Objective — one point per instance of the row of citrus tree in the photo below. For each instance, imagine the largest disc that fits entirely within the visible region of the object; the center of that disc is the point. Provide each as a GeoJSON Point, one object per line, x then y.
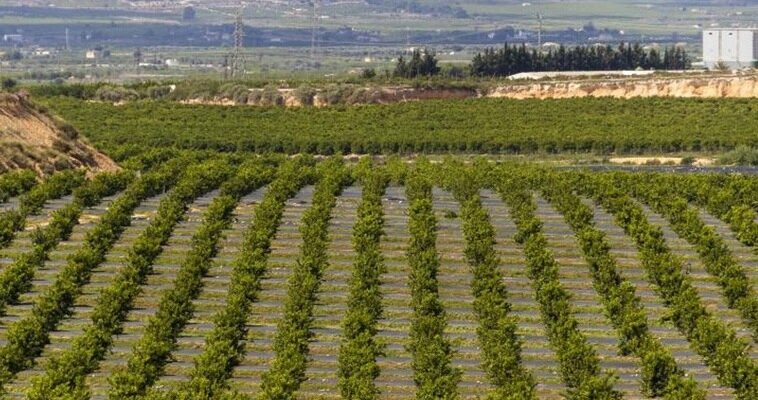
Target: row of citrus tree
{"type": "Point", "coordinates": [26, 338]}
{"type": "Point", "coordinates": [578, 361]}
{"type": "Point", "coordinates": [56, 186]}
{"type": "Point", "coordinates": [431, 351]}
{"type": "Point", "coordinates": [359, 348]}
{"type": "Point", "coordinates": [15, 183]}
{"type": "Point", "coordinates": [65, 373]}
{"type": "Point", "coordinates": [152, 352]}
{"type": "Point", "coordinates": [732, 198]}
{"type": "Point", "coordinates": [225, 344]}
{"type": "Point", "coordinates": [727, 355]}
{"type": "Point", "coordinates": [294, 330]}
{"type": "Point", "coordinates": [716, 256]}
{"type": "Point", "coordinates": [500, 345]}
{"type": "Point", "coordinates": [17, 277]}
{"type": "Point", "coordinates": [660, 375]}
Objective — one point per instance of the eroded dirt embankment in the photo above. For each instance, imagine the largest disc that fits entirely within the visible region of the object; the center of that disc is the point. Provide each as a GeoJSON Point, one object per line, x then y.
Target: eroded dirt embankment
{"type": "Point", "coordinates": [31, 138]}
{"type": "Point", "coordinates": [744, 86]}
{"type": "Point", "coordinates": [702, 87]}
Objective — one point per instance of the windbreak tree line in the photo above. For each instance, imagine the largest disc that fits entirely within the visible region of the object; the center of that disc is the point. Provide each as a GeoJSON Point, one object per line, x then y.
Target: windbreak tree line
{"type": "Point", "coordinates": [421, 63]}
{"type": "Point", "coordinates": [513, 59]}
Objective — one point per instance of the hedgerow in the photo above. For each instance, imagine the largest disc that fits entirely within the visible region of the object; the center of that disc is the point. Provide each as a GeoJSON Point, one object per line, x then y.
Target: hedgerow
{"type": "Point", "coordinates": [15, 183]}
{"type": "Point", "coordinates": [287, 369]}
{"type": "Point", "coordinates": [152, 352]}
{"type": "Point", "coordinates": [660, 375]}
{"type": "Point", "coordinates": [65, 373]}
{"type": "Point", "coordinates": [578, 361]}
{"type": "Point", "coordinates": [26, 338]}
{"type": "Point", "coordinates": [726, 354]}
{"type": "Point", "coordinates": [359, 348]}
{"type": "Point", "coordinates": [16, 278]}
{"type": "Point", "coordinates": [225, 345]}
{"type": "Point", "coordinates": [713, 251]}
{"type": "Point", "coordinates": [431, 351]}
{"type": "Point", "coordinates": [56, 186]}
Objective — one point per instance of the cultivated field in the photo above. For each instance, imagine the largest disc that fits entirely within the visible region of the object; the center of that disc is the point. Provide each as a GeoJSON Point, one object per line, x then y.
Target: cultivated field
{"type": "Point", "coordinates": [473, 126]}
{"type": "Point", "coordinates": [289, 278]}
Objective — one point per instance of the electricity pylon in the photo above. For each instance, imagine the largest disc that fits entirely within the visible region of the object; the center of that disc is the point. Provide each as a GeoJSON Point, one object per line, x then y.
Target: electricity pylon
{"type": "Point", "coordinates": [238, 55]}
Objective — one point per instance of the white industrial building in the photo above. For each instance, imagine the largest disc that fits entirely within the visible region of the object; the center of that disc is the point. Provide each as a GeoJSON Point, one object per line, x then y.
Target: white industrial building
{"type": "Point", "coordinates": [735, 48]}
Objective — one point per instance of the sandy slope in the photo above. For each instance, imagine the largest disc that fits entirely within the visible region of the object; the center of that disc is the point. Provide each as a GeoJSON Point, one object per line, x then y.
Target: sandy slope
{"type": "Point", "coordinates": [31, 138]}
{"type": "Point", "coordinates": [701, 87]}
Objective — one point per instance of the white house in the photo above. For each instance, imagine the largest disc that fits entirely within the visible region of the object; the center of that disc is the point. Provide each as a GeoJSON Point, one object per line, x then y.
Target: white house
{"type": "Point", "coordinates": [93, 54]}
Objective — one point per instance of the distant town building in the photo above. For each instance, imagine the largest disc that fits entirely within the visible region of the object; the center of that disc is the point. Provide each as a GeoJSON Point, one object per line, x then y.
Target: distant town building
{"type": "Point", "coordinates": [42, 52]}
{"type": "Point", "coordinates": [13, 38]}
{"type": "Point", "coordinates": [97, 54]}
{"type": "Point", "coordinates": [734, 48]}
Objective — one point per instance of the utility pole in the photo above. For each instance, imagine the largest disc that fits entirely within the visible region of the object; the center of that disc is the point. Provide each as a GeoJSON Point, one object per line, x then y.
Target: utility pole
{"type": "Point", "coordinates": [238, 56]}
{"type": "Point", "coordinates": [407, 28]}
{"type": "Point", "coordinates": [315, 31]}
{"type": "Point", "coordinates": [68, 43]}
{"type": "Point", "coordinates": [539, 33]}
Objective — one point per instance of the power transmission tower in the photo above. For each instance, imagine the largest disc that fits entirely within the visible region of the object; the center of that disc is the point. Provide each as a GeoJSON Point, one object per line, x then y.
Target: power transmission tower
{"type": "Point", "coordinates": [238, 55]}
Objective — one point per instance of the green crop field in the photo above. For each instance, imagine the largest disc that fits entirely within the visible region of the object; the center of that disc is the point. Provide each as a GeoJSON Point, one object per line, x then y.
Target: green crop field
{"type": "Point", "coordinates": [590, 125]}
{"type": "Point", "coordinates": [209, 275]}
{"type": "Point", "coordinates": [270, 215]}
